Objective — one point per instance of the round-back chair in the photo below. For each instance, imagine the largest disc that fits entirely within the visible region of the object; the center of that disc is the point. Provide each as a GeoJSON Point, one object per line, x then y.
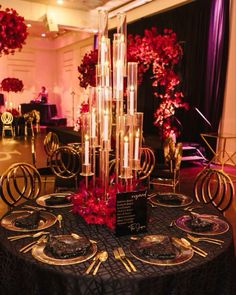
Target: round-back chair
{"type": "Point", "coordinates": [50, 143]}
{"type": "Point", "coordinates": [7, 119]}
{"type": "Point", "coordinates": [215, 187]}
{"type": "Point", "coordinates": [147, 164]}
{"type": "Point", "coordinates": [19, 181]}
{"type": "Point", "coordinates": [65, 164]}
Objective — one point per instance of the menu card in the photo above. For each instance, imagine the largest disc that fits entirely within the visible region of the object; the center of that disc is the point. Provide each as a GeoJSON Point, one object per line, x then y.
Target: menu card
{"type": "Point", "coordinates": [131, 212]}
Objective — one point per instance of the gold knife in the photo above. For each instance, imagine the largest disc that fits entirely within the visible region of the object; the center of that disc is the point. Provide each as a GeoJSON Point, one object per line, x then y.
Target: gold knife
{"type": "Point", "coordinates": [122, 255]}
{"type": "Point", "coordinates": [95, 258]}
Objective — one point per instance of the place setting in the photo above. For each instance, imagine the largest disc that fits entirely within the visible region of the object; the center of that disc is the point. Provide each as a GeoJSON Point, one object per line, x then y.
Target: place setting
{"type": "Point", "coordinates": [201, 224]}
{"type": "Point", "coordinates": [161, 250]}
{"type": "Point", "coordinates": [28, 220]}
{"type": "Point", "coordinates": [169, 199]}
{"type": "Point", "coordinates": [55, 200]}
{"type": "Point", "coordinates": [65, 249]}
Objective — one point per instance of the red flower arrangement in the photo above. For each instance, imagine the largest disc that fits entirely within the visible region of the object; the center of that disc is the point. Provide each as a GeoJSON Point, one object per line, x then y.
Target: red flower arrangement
{"type": "Point", "coordinates": [87, 69]}
{"type": "Point", "coordinates": [92, 206]}
{"type": "Point", "coordinates": [14, 112]}
{"type": "Point", "coordinates": [84, 108]}
{"type": "Point", "coordinates": [13, 31]}
{"type": "Point", "coordinates": [154, 52]}
{"type": "Point", "coordinates": [12, 84]}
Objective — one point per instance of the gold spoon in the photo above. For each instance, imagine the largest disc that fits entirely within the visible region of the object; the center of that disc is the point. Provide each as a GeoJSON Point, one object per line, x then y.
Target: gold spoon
{"type": "Point", "coordinates": [59, 219]}
{"type": "Point", "coordinates": [102, 258]}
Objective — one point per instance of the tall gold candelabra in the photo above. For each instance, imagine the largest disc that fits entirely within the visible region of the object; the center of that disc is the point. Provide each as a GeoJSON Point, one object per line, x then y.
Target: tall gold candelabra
{"type": "Point", "coordinates": [98, 122]}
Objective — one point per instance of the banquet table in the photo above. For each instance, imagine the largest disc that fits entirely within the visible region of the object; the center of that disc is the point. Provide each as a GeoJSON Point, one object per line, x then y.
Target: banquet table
{"type": "Point", "coordinates": [23, 274]}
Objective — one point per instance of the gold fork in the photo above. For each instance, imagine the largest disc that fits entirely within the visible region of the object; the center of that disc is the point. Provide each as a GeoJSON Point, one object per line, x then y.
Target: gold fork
{"type": "Point", "coordinates": [205, 239]}
{"type": "Point", "coordinates": [29, 246]}
{"type": "Point", "coordinates": [123, 256]}
{"type": "Point", "coordinates": [117, 256]}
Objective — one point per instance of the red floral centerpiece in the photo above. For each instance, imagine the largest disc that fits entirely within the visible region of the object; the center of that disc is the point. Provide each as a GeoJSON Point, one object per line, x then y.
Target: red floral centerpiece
{"type": "Point", "coordinates": [12, 84]}
{"type": "Point", "coordinates": [91, 204]}
{"type": "Point", "coordinates": [158, 54]}
{"type": "Point", "coordinates": [13, 31]}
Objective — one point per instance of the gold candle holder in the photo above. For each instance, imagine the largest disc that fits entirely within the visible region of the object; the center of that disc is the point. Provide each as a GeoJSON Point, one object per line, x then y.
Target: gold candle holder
{"type": "Point", "coordinates": [132, 88]}
{"type": "Point", "coordinates": [126, 146]}
{"type": "Point", "coordinates": [86, 145]}
{"type": "Point", "coordinates": [137, 139]}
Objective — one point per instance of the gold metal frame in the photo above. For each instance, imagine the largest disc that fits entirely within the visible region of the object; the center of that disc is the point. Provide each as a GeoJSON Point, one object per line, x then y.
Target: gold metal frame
{"type": "Point", "coordinates": [173, 158]}
{"type": "Point", "coordinates": [65, 163]}
{"type": "Point", "coordinates": [19, 181]}
{"type": "Point", "coordinates": [215, 187]}
{"type": "Point", "coordinates": [218, 156]}
{"type": "Point", "coordinates": [147, 164]}
{"type": "Point", "coordinates": [7, 119]}
{"type": "Point", "coordinates": [50, 143]}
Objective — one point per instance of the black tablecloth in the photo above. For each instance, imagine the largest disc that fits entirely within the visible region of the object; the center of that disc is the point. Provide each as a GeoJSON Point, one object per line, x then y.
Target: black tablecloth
{"type": "Point", "coordinates": [22, 274]}
{"type": "Point", "coordinates": [47, 111]}
{"type": "Point", "coordinates": [65, 134]}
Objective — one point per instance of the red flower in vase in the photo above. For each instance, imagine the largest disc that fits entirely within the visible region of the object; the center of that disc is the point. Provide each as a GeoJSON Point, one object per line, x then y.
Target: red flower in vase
{"type": "Point", "coordinates": [13, 31]}
{"type": "Point", "coordinates": [12, 84]}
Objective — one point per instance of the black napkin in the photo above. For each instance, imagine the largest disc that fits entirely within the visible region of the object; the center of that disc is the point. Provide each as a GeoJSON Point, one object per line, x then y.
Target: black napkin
{"type": "Point", "coordinates": [153, 250]}
{"type": "Point", "coordinates": [199, 224]}
{"type": "Point", "coordinates": [170, 199]}
{"type": "Point", "coordinates": [57, 200]}
{"type": "Point", "coordinates": [31, 221]}
{"type": "Point", "coordinates": [67, 246]}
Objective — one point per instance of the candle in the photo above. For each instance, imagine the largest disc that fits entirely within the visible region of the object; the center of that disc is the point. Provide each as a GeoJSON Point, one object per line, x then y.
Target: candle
{"type": "Point", "coordinates": [19, 108]}
{"type": "Point", "coordinates": [105, 126]}
{"type": "Point", "coordinates": [11, 105]}
{"type": "Point", "coordinates": [131, 101]}
{"type": "Point", "coordinates": [86, 150]}
{"type": "Point", "coordinates": [93, 124]}
{"type": "Point", "coordinates": [103, 50]}
{"type": "Point", "coordinates": [136, 145]}
{"type": "Point", "coordinates": [126, 151]}
{"type": "Point", "coordinates": [119, 74]}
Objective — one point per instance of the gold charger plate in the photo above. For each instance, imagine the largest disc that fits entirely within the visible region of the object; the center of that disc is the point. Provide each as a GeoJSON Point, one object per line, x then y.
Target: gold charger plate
{"type": "Point", "coordinates": [184, 200]}
{"type": "Point", "coordinates": [41, 200]}
{"type": "Point", "coordinates": [47, 220]}
{"type": "Point", "coordinates": [39, 254]}
{"type": "Point", "coordinates": [219, 226]}
{"type": "Point", "coordinates": [183, 254]}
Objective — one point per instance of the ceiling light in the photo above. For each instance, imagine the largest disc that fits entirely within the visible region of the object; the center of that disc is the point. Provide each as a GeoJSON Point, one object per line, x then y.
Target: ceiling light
{"type": "Point", "coordinates": [60, 2]}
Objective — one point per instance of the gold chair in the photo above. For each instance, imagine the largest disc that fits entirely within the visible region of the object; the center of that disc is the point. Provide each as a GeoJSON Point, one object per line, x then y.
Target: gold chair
{"type": "Point", "coordinates": [21, 181]}
{"type": "Point", "coordinates": [50, 143]}
{"type": "Point", "coordinates": [215, 187]}
{"type": "Point", "coordinates": [45, 172]}
{"type": "Point", "coordinates": [169, 174]}
{"type": "Point", "coordinates": [147, 164]}
{"type": "Point", "coordinates": [65, 164]}
{"type": "Point", "coordinates": [31, 118]}
{"type": "Point", "coordinates": [7, 119]}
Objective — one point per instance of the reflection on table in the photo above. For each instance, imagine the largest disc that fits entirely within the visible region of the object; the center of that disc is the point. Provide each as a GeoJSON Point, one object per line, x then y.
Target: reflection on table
{"type": "Point", "coordinates": [222, 155]}
{"type": "Point", "coordinates": [212, 274]}
{"type": "Point", "coordinates": [47, 111]}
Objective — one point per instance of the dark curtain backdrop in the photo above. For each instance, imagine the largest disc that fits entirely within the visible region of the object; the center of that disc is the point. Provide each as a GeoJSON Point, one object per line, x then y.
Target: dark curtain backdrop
{"type": "Point", "coordinates": [202, 69]}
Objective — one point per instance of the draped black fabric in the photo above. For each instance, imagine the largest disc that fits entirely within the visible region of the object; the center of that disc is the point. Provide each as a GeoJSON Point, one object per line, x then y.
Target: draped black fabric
{"type": "Point", "coordinates": [202, 73]}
